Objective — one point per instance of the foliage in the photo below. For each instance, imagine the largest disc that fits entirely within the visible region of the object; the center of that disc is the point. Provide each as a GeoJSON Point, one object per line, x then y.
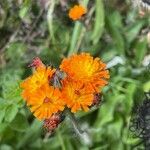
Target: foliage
{"type": "Point", "coordinates": [111, 31]}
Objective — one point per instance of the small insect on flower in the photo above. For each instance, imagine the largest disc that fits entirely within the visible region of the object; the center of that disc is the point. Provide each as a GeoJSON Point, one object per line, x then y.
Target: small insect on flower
{"type": "Point", "coordinates": [77, 12]}
{"type": "Point", "coordinates": [56, 79]}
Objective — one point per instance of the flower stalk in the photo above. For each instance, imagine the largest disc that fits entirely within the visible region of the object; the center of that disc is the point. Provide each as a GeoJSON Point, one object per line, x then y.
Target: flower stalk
{"type": "Point", "coordinates": [83, 134]}
{"type": "Point", "coordinates": [74, 121]}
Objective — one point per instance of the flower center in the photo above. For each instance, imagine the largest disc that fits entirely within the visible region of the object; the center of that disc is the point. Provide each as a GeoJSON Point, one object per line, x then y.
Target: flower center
{"type": "Point", "coordinates": [37, 82]}
{"type": "Point", "coordinates": [77, 92]}
{"type": "Point", "coordinates": [47, 100]}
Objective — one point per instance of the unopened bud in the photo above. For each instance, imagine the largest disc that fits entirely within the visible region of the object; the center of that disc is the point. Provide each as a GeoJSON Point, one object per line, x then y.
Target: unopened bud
{"type": "Point", "coordinates": [36, 63]}
{"type": "Point", "coordinates": [52, 123]}
{"type": "Point", "coordinates": [97, 99]}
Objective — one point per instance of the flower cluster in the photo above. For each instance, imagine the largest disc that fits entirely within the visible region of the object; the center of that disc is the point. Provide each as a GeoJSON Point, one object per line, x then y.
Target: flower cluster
{"type": "Point", "coordinates": [83, 79]}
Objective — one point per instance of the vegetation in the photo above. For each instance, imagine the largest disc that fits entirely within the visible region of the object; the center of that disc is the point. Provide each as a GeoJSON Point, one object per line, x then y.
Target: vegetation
{"type": "Point", "coordinates": [113, 31]}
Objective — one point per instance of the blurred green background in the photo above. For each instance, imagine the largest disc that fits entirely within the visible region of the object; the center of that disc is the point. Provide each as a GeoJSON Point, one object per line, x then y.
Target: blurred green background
{"type": "Point", "coordinates": [112, 30]}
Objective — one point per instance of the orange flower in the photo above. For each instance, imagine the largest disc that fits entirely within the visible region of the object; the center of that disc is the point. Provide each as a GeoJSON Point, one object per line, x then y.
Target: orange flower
{"type": "Point", "coordinates": [85, 76]}
{"type": "Point", "coordinates": [34, 82]}
{"type": "Point", "coordinates": [75, 96]}
{"type": "Point", "coordinates": [87, 70]}
{"type": "Point", "coordinates": [45, 102]}
{"type": "Point", "coordinates": [76, 12]}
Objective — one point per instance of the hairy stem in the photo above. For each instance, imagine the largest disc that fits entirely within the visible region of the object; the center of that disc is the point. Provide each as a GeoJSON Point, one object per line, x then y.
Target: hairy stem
{"type": "Point", "coordinates": [83, 134]}
{"type": "Point", "coordinates": [75, 124]}
{"type": "Point", "coordinates": [60, 138]}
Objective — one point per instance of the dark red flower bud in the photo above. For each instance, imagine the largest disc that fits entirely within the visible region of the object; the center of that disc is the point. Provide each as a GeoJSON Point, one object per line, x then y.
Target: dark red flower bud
{"type": "Point", "coordinates": [97, 99]}
{"type": "Point", "coordinates": [36, 63]}
{"type": "Point", "coordinates": [52, 123]}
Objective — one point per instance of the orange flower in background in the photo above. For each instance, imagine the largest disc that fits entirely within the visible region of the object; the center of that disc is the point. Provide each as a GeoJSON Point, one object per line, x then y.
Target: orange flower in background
{"type": "Point", "coordinates": [87, 70]}
{"type": "Point", "coordinates": [77, 12]}
{"type": "Point", "coordinates": [75, 96]}
{"type": "Point", "coordinates": [34, 82]}
{"type": "Point", "coordinates": [45, 102]}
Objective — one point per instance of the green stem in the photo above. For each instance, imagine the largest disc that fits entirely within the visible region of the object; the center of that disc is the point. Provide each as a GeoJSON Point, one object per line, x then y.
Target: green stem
{"type": "Point", "coordinates": [61, 139]}
{"type": "Point", "coordinates": [83, 135]}
{"type": "Point", "coordinates": [77, 32]}
{"type": "Point", "coordinates": [75, 124]}
{"type": "Point", "coordinates": [46, 137]}
{"type": "Point", "coordinates": [51, 7]}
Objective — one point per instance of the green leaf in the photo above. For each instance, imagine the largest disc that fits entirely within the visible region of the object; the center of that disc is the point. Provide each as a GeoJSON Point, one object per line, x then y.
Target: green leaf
{"type": "Point", "coordinates": [19, 49]}
{"type": "Point", "coordinates": [20, 123]}
{"type": "Point", "coordinates": [3, 126]}
{"type": "Point", "coordinates": [99, 21]}
{"type": "Point", "coordinates": [3, 16]}
{"type": "Point", "coordinates": [117, 145]}
{"type": "Point", "coordinates": [115, 32]}
{"type": "Point", "coordinates": [11, 112]}
{"type": "Point", "coordinates": [106, 112]}
{"type": "Point", "coordinates": [5, 147]}
{"type": "Point", "coordinates": [24, 9]}
{"type": "Point", "coordinates": [23, 12]}
{"type": "Point", "coordinates": [114, 129]}
{"type": "Point", "coordinates": [128, 137]}
{"type": "Point", "coordinates": [146, 86]}
{"type": "Point", "coordinates": [2, 113]}
{"type": "Point", "coordinates": [132, 31]}
{"type": "Point", "coordinates": [131, 88]}
{"type": "Point", "coordinates": [140, 51]}
{"type": "Point", "coordinates": [68, 144]}
{"type": "Point", "coordinates": [33, 131]}
{"type": "Point", "coordinates": [11, 90]}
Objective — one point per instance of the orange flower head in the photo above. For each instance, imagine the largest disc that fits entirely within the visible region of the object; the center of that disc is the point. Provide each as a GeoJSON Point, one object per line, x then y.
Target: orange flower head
{"type": "Point", "coordinates": [87, 70]}
{"type": "Point", "coordinates": [34, 82]}
{"type": "Point", "coordinates": [75, 96]}
{"type": "Point", "coordinates": [45, 102]}
{"type": "Point", "coordinates": [77, 12]}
